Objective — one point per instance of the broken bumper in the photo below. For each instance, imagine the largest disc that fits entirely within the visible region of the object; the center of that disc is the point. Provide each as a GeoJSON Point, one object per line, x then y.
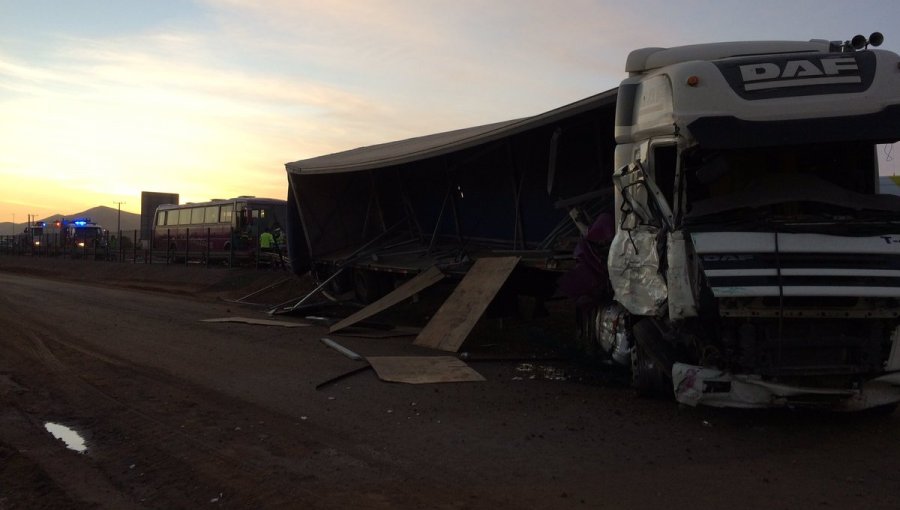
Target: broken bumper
{"type": "Point", "coordinates": [712, 387]}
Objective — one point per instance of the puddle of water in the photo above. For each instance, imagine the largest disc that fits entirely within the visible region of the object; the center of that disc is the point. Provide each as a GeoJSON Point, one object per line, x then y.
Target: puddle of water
{"type": "Point", "coordinates": [73, 439]}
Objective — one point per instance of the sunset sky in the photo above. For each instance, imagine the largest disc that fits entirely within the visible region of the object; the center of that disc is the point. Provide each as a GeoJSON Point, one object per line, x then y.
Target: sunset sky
{"type": "Point", "coordinates": [100, 100]}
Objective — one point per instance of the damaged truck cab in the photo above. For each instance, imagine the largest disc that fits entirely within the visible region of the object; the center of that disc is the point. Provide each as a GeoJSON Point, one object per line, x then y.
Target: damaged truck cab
{"type": "Point", "coordinates": [755, 263]}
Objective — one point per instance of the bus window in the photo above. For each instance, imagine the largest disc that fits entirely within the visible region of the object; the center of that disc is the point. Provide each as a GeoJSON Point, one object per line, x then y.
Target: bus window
{"type": "Point", "coordinates": [184, 217]}
{"type": "Point", "coordinates": [171, 218]}
{"type": "Point", "coordinates": [259, 218]}
{"type": "Point", "coordinates": [226, 213]}
{"type": "Point", "coordinates": [161, 218]}
{"type": "Point", "coordinates": [211, 214]}
{"type": "Point", "coordinates": [197, 214]}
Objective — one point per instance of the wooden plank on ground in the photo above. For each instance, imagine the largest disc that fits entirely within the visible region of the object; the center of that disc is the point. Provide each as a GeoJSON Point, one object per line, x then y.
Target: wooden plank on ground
{"type": "Point", "coordinates": [417, 284]}
{"type": "Point", "coordinates": [454, 320]}
{"type": "Point", "coordinates": [260, 322]}
{"type": "Point", "coordinates": [423, 369]}
{"type": "Point", "coordinates": [397, 331]}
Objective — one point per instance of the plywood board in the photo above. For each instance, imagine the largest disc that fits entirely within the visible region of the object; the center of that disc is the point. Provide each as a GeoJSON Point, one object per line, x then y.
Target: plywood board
{"type": "Point", "coordinates": [454, 320]}
{"type": "Point", "coordinates": [417, 284]}
{"type": "Point", "coordinates": [260, 322]}
{"type": "Point", "coordinates": [394, 332]}
{"type": "Point", "coordinates": [423, 369]}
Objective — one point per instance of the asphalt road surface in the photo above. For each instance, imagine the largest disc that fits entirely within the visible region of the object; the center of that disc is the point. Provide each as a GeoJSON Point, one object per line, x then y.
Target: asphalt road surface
{"type": "Point", "coordinates": [178, 413]}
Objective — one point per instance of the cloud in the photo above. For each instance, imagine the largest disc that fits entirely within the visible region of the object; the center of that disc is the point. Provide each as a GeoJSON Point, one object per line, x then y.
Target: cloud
{"type": "Point", "coordinates": [491, 58]}
{"type": "Point", "coordinates": [136, 113]}
{"type": "Point", "coordinates": [215, 105]}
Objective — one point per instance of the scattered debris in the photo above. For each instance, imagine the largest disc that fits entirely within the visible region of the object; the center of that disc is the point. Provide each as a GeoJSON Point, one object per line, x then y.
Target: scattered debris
{"type": "Point", "coordinates": [415, 285]}
{"type": "Point", "coordinates": [316, 319]}
{"type": "Point", "coordinates": [423, 369]}
{"type": "Point", "coordinates": [394, 332]}
{"type": "Point", "coordinates": [261, 322]}
{"type": "Point", "coordinates": [545, 372]}
{"type": "Point", "coordinates": [243, 300]}
{"type": "Point", "coordinates": [454, 320]}
{"type": "Point", "coordinates": [341, 349]}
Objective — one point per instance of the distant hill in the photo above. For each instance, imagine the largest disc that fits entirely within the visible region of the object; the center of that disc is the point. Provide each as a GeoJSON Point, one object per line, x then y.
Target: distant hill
{"type": "Point", "coordinates": [104, 216]}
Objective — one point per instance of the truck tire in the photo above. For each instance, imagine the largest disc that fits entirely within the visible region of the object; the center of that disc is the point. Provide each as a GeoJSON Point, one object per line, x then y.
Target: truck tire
{"type": "Point", "coordinates": [650, 370]}
{"type": "Point", "coordinates": [582, 331]}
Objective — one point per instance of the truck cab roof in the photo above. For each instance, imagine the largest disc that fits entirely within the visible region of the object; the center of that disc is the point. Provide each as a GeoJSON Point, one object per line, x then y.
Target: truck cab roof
{"type": "Point", "coordinates": [646, 59]}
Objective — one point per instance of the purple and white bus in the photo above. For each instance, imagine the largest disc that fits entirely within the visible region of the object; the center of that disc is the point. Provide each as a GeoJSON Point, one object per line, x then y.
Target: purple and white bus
{"type": "Point", "coordinates": [221, 230]}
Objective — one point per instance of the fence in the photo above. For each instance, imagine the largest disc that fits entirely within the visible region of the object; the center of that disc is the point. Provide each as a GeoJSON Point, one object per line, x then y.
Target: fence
{"type": "Point", "coordinates": [127, 247]}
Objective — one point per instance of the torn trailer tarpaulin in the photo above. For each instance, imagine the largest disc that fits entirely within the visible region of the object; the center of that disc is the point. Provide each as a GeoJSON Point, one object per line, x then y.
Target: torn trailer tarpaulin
{"type": "Point", "coordinates": [480, 187]}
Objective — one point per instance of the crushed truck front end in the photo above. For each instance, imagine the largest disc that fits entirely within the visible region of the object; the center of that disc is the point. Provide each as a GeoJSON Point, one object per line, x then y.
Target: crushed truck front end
{"type": "Point", "coordinates": [800, 319]}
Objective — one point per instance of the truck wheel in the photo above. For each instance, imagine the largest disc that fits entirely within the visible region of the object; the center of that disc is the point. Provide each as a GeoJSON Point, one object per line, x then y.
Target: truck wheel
{"type": "Point", "coordinates": [585, 334]}
{"type": "Point", "coordinates": [650, 373]}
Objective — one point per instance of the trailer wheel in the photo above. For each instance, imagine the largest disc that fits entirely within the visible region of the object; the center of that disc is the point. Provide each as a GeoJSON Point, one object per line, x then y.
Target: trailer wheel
{"type": "Point", "coordinates": [369, 286]}
{"type": "Point", "coordinates": [650, 371]}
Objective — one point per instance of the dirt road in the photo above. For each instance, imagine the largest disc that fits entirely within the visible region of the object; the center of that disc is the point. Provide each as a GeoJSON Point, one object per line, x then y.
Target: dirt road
{"type": "Point", "coordinates": [179, 413]}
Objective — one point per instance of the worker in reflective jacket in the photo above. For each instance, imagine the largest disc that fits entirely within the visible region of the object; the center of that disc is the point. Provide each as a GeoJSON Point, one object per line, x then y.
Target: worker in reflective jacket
{"type": "Point", "coordinates": [267, 241]}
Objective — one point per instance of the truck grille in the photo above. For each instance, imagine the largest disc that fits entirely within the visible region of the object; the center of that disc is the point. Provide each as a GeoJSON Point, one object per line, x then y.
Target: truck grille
{"type": "Point", "coordinates": [755, 264]}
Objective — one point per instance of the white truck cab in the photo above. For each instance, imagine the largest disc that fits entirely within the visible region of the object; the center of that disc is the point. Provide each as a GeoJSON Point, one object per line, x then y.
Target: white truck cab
{"type": "Point", "coordinates": [755, 263]}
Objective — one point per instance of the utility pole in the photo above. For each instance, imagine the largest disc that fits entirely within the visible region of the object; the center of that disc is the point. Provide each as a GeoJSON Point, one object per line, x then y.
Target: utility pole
{"type": "Point", "coordinates": [119, 219]}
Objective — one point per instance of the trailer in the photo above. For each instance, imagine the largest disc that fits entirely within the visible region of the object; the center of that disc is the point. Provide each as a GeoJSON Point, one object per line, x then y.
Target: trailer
{"type": "Point", "coordinates": [384, 213]}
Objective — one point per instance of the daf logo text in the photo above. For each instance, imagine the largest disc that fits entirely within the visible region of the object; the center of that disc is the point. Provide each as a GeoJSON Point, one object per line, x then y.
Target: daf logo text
{"type": "Point", "coordinates": [795, 73]}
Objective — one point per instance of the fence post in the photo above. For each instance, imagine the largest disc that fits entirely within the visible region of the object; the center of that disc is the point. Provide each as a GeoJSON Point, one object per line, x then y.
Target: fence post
{"type": "Point", "coordinates": [187, 245]}
{"type": "Point", "coordinates": [231, 250]}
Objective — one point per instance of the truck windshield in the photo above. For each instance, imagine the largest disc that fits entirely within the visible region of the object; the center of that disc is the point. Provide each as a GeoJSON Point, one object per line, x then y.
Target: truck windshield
{"type": "Point", "coordinates": [796, 181]}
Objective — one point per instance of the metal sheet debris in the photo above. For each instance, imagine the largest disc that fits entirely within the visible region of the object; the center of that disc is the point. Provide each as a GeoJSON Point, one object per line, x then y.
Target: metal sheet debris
{"type": "Point", "coordinates": [423, 369]}
{"type": "Point", "coordinates": [634, 270]}
{"type": "Point", "coordinates": [341, 349]}
{"type": "Point", "coordinates": [260, 322]}
{"type": "Point", "coordinates": [417, 284]}
{"type": "Point", "coordinates": [454, 320]}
